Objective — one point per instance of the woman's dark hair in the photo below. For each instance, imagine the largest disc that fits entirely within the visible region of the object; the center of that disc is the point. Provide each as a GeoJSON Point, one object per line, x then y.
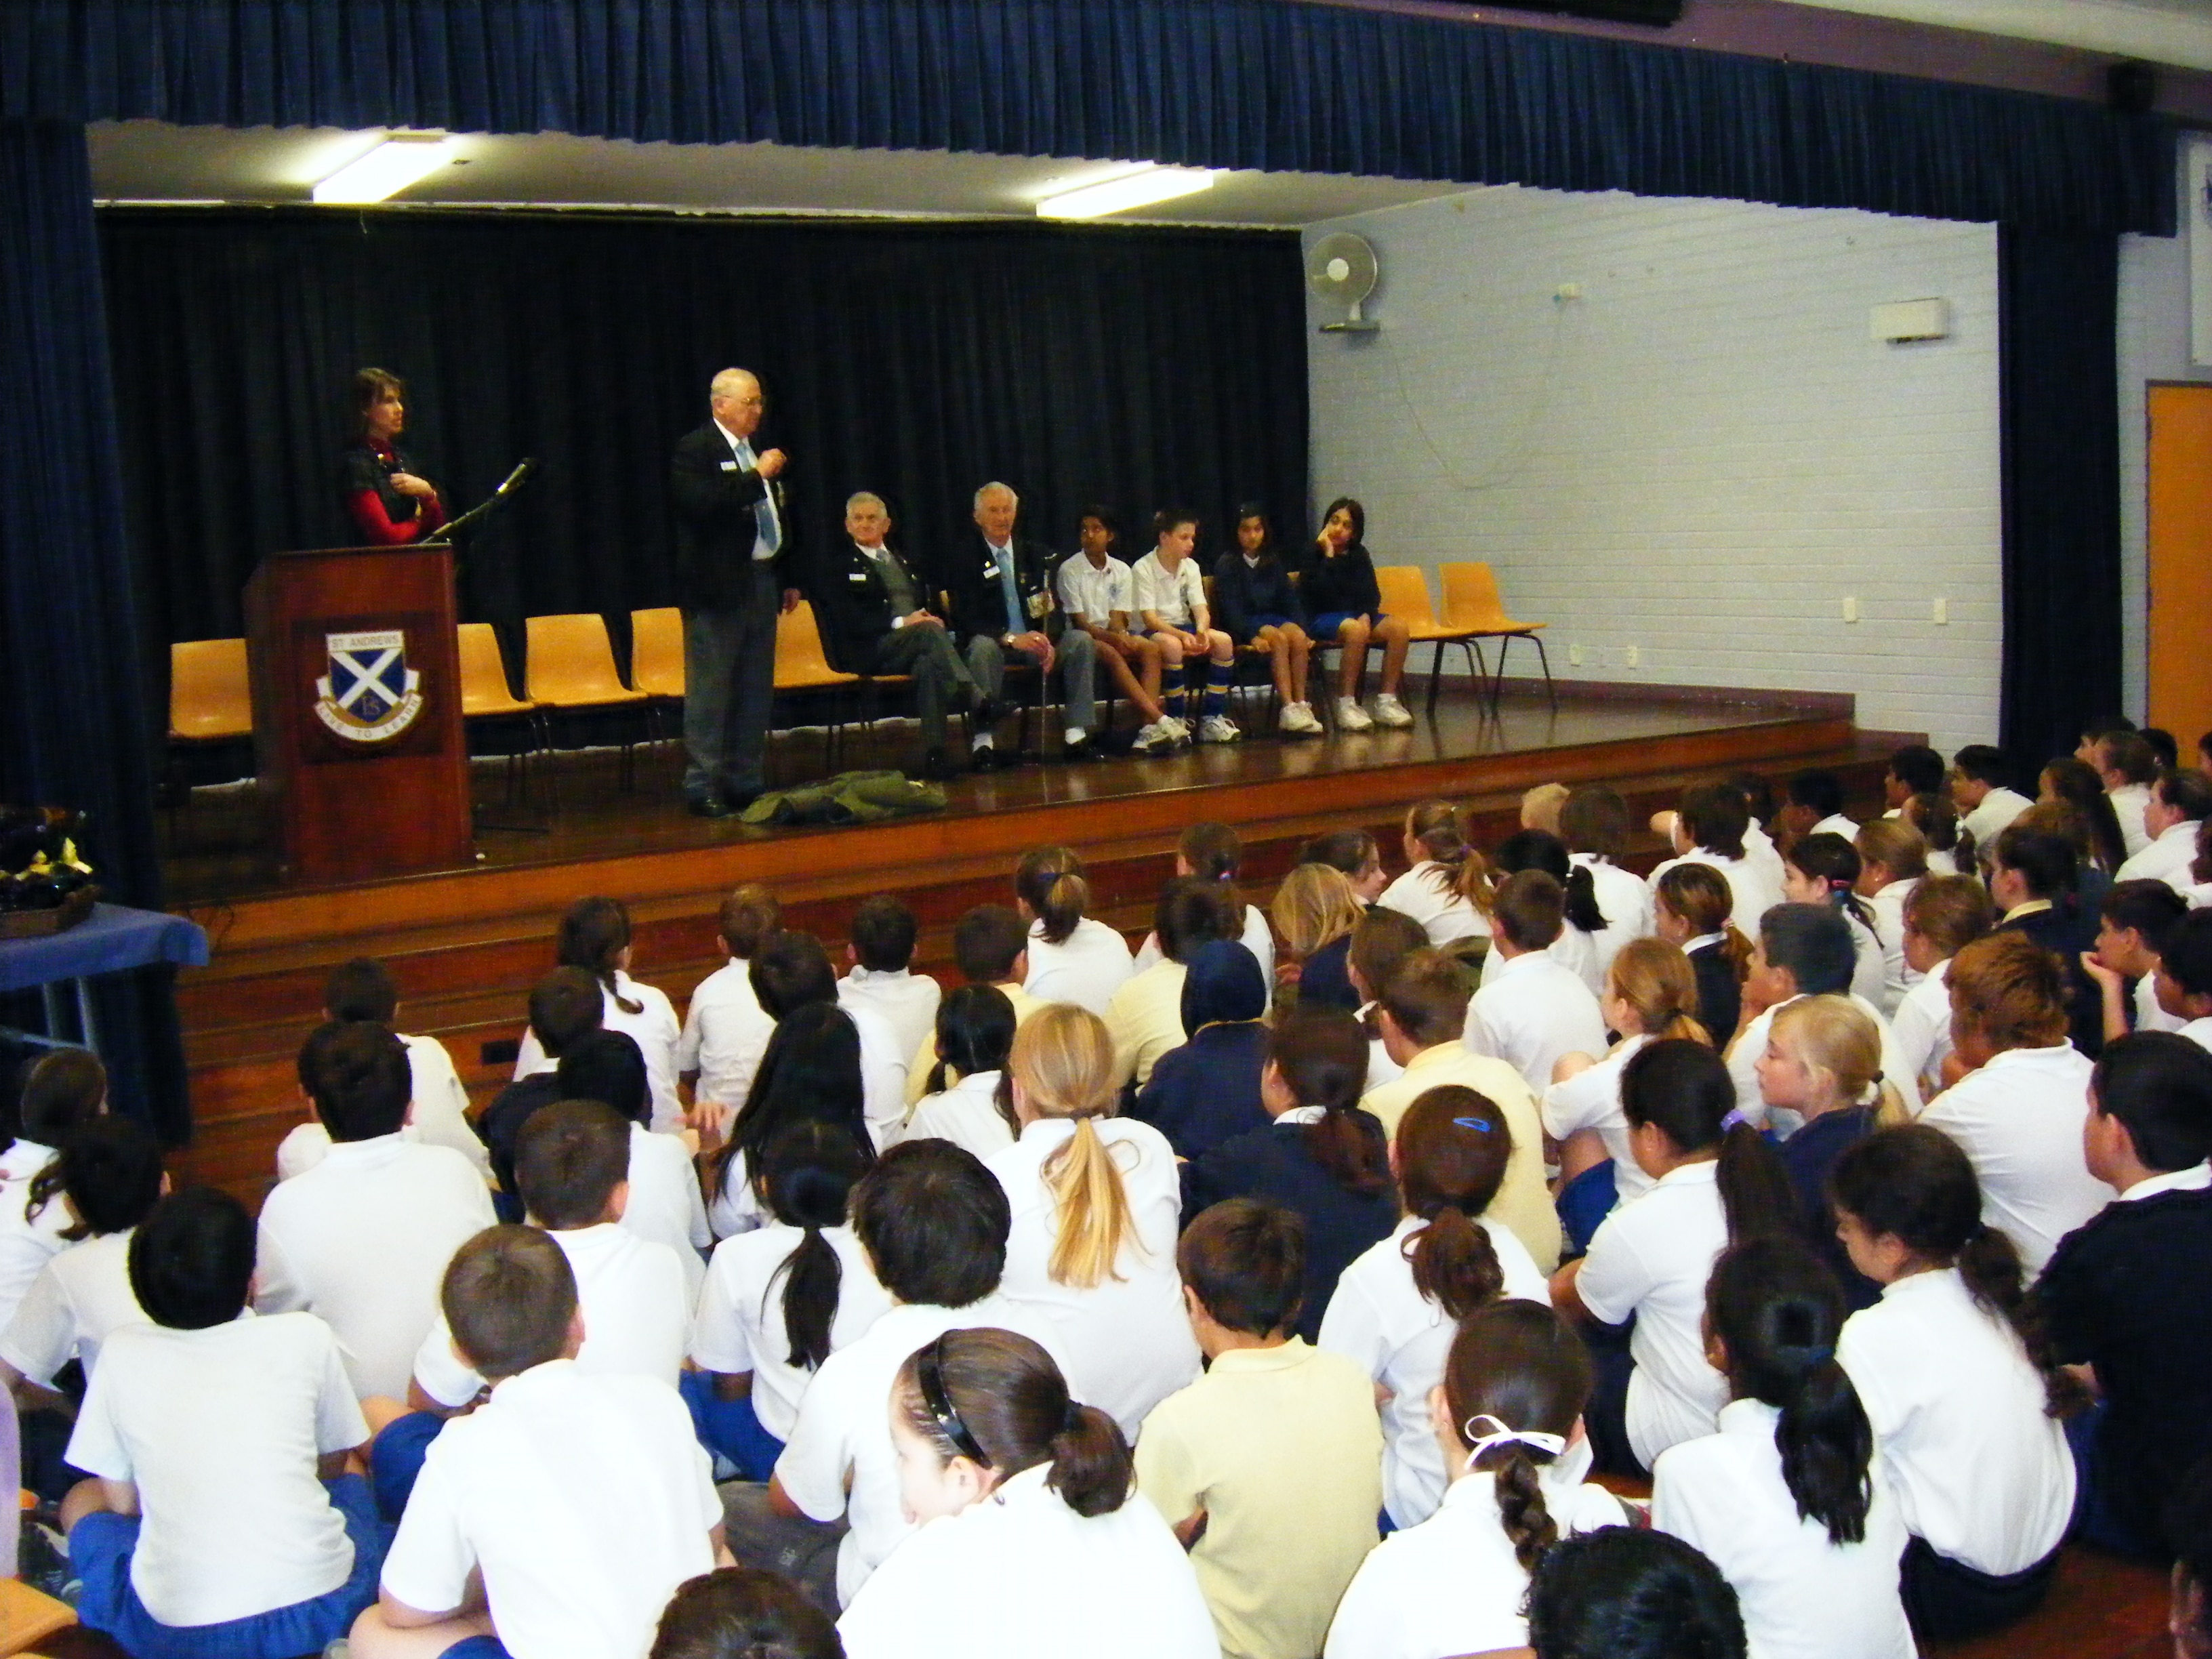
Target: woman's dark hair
{"type": "Point", "coordinates": [975, 1033]}
{"type": "Point", "coordinates": [369, 386]}
{"type": "Point", "coordinates": [1519, 1364]}
{"type": "Point", "coordinates": [1192, 910]}
{"type": "Point", "coordinates": [1050, 881]}
{"type": "Point", "coordinates": [1255, 510]}
{"type": "Point", "coordinates": [1912, 1182]}
{"type": "Point", "coordinates": [1322, 1054]}
{"type": "Point", "coordinates": [1540, 849]}
{"type": "Point", "coordinates": [1351, 510]}
{"type": "Point", "coordinates": [111, 1171]}
{"type": "Point", "coordinates": [1631, 1593]}
{"type": "Point", "coordinates": [1684, 1089]}
{"type": "Point", "coordinates": [810, 1073]}
{"type": "Point", "coordinates": [807, 1174]}
{"type": "Point", "coordinates": [2159, 1085]}
{"type": "Point", "coordinates": [1777, 1311]}
{"type": "Point", "coordinates": [1453, 1147]}
{"type": "Point", "coordinates": [2046, 862]}
{"type": "Point", "coordinates": [593, 934]}
{"type": "Point", "coordinates": [190, 1261]}
{"type": "Point", "coordinates": [2077, 783]}
{"type": "Point", "coordinates": [1002, 1394]}
{"type": "Point", "coordinates": [1830, 859]}
{"type": "Point", "coordinates": [62, 1091]}
{"type": "Point", "coordinates": [744, 1612]}
{"type": "Point", "coordinates": [1715, 817]}
{"type": "Point", "coordinates": [608, 1066]}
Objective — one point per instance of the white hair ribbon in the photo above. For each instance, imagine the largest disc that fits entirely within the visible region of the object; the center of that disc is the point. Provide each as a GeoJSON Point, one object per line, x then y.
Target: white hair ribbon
{"type": "Point", "coordinates": [1500, 1436]}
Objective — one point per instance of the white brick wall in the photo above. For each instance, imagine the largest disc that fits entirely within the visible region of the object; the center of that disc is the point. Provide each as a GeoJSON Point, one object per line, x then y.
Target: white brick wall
{"type": "Point", "coordinates": [1703, 456]}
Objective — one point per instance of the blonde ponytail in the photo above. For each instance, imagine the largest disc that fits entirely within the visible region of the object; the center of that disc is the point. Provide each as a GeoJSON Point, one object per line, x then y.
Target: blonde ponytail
{"type": "Point", "coordinates": [1094, 1209]}
{"type": "Point", "coordinates": [1063, 1059]}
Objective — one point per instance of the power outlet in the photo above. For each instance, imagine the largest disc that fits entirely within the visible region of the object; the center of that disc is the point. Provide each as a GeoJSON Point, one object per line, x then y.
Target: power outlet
{"type": "Point", "coordinates": [1632, 657]}
{"type": "Point", "coordinates": [1940, 612]}
{"type": "Point", "coordinates": [1575, 655]}
{"type": "Point", "coordinates": [1850, 610]}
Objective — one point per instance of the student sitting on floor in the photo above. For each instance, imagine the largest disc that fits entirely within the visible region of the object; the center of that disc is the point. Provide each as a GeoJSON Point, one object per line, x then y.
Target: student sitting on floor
{"type": "Point", "coordinates": [218, 1520]}
{"type": "Point", "coordinates": [1816, 807]}
{"type": "Point", "coordinates": [1146, 1015]}
{"type": "Point", "coordinates": [1506, 1418]}
{"type": "Point", "coordinates": [1986, 805]}
{"type": "Point", "coordinates": [1582, 923]}
{"type": "Point", "coordinates": [974, 1033]}
{"type": "Point", "coordinates": [1708, 827]}
{"type": "Point", "coordinates": [1535, 1009]}
{"type": "Point", "coordinates": [1959, 1382]}
{"type": "Point", "coordinates": [1631, 1593]}
{"type": "Point", "coordinates": [1893, 861]}
{"type": "Point", "coordinates": [2126, 1293]}
{"type": "Point", "coordinates": [1913, 769]}
{"type": "Point", "coordinates": [781, 1299]}
{"type": "Point", "coordinates": [62, 1091]}
{"type": "Point", "coordinates": [1950, 849]}
{"type": "Point", "coordinates": [1275, 1538]}
{"type": "Point", "coordinates": [1823, 1059]}
{"type": "Point", "coordinates": [1208, 1090]}
{"type": "Point", "coordinates": [792, 971]}
{"type": "Point", "coordinates": [1945, 915]}
{"type": "Point", "coordinates": [1690, 911]}
{"type": "Point", "coordinates": [1594, 825]}
{"type": "Point", "coordinates": [1212, 852]}
{"type": "Point", "coordinates": [362, 1238]}
{"type": "Point", "coordinates": [595, 936]}
{"type": "Point", "coordinates": [1071, 957]}
{"type": "Point", "coordinates": [1383, 940]}
{"type": "Point", "coordinates": [1803, 949]}
{"type": "Point", "coordinates": [2184, 980]}
{"type": "Point", "coordinates": [1315, 910]}
{"type": "Point", "coordinates": [1446, 887]}
{"type": "Point", "coordinates": [2078, 784]}
{"type": "Point", "coordinates": [565, 1006]}
{"type": "Point", "coordinates": [744, 1612]}
{"type": "Point", "coordinates": [1823, 869]}
{"type": "Point", "coordinates": [726, 1031]}
{"type": "Point", "coordinates": [2179, 804]}
{"type": "Point", "coordinates": [880, 976]}
{"type": "Point", "coordinates": [1785, 1499]}
{"type": "Point", "coordinates": [990, 949]}
{"type": "Point", "coordinates": [2134, 922]}
{"type": "Point", "coordinates": [1396, 1307]}
{"type": "Point", "coordinates": [665, 1204]}
{"type": "Point", "coordinates": [558, 1517]}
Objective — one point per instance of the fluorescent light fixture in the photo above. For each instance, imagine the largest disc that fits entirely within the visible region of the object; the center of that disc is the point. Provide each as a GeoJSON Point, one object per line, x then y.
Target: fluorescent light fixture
{"type": "Point", "coordinates": [401, 160]}
{"type": "Point", "coordinates": [1130, 190]}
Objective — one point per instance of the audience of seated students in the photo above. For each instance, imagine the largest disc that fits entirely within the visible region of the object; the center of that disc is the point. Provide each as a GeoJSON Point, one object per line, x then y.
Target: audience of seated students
{"type": "Point", "coordinates": [565, 1006]}
{"type": "Point", "coordinates": [990, 947]}
{"type": "Point", "coordinates": [559, 1515]}
{"type": "Point", "coordinates": [1584, 922]}
{"type": "Point", "coordinates": [2184, 980]}
{"type": "Point", "coordinates": [1208, 1090]}
{"type": "Point", "coordinates": [2179, 804]}
{"type": "Point", "coordinates": [665, 1204]}
{"type": "Point", "coordinates": [1315, 911]}
{"type": "Point", "coordinates": [1914, 770]}
{"type": "Point", "coordinates": [2034, 875]}
{"type": "Point", "coordinates": [1259, 609]}
{"type": "Point", "coordinates": [1212, 853]}
{"type": "Point", "coordinates": [1383, 940]}
{"type": "Point", "coordinates": [1396, 1307]}
{"type": "Point", "coordinates": [1823, 868]}
{"type": "Point", "coordinates": [744, 1612]}
{"type": "Point", "coordinates": [878, 975]}
{"type": "Point", "coordinates": [933, 1223]}
{"type": "Point", "coordinates": [62, 1091]}
{"type": "Point", "coordinates": [1715, 1183]}
{"type": "Point", "coordinates": [1823, 1060]}
{"type": "Point", "coordinates": [1169, 595]}
{"type": "Point", "coordinates": [2128, 767]}
{"type": "Point", "coordinates": [1650, 992]}
{"type": "Point", "coordinates": [1023, 1487]}
{"type": "Point", "coordinates": [2126, 1293]}
{"type": "Point", "coordinates": [2078, 784]}
{"type": "Point", "coordinates": [1096, 1203]}
{"type": "Point", "coordinates": [1631, 1593]}
{"type": "Point", "coordinates": [1337, 584]}
{"type": "Point", "coordinates": [1784, 1497]}
{"type": "Point", "coordinates": [1535, 1009]}
{"type": "Point", "coordinates": [1446, 886]}
{"type": "Point", "coordinates": [726, 1031]}
{"type": "Point", "coordinates": [1422, 1016]}
{"type": "Point", "coordinates": [1268, 1466]}
{"type": "Point", "coordinates": [1950, 849]}
{"type": "Point", "coordinates": [1355, 853]}
{"type": "Point", "coordinates": [971, 1104]}
{"type": "Point", "coordinates": [2134, 922]}
{"type": "Point", "coordinates": [1958, 1379]}
{"type": "Point", "coordinates": [810, 1074]}
{"type": "Point", "coordinates": [1097, 592]}
{"type": "Point", "coordinates": [361, 1239]}
{"type": "Point", "coordinates": [1144, 1017]}
{"type": "Point", "coordinates": [1506, 1417]}
{"type": "Point", "coordinates": [1892, 863]}
{"type": "Point", "coordinates": [1320, 1156]}
{"type": "Point", "coordinates": [439, 1108]}
{"type": "Point", "coordinates": [1987, 805]}
{"type": "Point", "coordinates": [217, 1518]}
{"type": "Point", "coordinates": [1594, 824]}
{"type": "Point", "coordinates": [1944, 915]}
{"type": "Point", "coordinates": [1816, 807]}
{"type": "Point", "coordinates": [595, 937]}
{"type": "Point", "coordinates": [1803, 950]}
{"type": "Point", "coordinates": [1072, 956]}
{"type": "Point", "coordinates": [1690, 910]}
{"type": "Point", "coordinates": [1708, 827]}
{"type": "Point", "coordinates": [781, 1299]}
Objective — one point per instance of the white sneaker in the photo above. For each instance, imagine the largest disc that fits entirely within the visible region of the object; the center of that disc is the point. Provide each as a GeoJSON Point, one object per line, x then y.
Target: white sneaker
{"type": "Point", "coordinates": [1155, 739]}
{"type": "Point", "coordinates": [1177, 728]}
{"type": "Point", "coordinates": [1351, 717]}
{"type": "Point", "coordinates": [1298, 720]}
{"type": "Point", "coordinates": [1217, 728]}
{"type": "Point", "coordinates": [1389, 712]}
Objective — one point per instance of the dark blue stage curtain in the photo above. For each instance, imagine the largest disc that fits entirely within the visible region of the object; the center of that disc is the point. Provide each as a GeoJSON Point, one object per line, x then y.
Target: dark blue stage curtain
{"type": "Point", "coordinates": [1229, 83]}
{"type": "Point", "coordinates": [73, 732]}
{"type": "Point", "coordinates": [2060, 432]}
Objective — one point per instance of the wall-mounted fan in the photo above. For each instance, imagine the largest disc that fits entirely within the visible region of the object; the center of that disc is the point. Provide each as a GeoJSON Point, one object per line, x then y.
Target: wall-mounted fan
{"type": "Point", "coordinates": [1341, 267]}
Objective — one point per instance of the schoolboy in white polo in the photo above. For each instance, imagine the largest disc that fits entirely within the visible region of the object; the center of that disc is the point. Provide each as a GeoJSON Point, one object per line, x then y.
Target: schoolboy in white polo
{"type": "Point", "coordinates": [1536, 1009]}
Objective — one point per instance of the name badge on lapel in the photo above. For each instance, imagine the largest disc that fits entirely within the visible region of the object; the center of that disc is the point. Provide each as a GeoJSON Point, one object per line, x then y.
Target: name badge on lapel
{"type": "Point", "coordinates": [729, 466]}
{"type": "Point", "coordinates": [856, 575]}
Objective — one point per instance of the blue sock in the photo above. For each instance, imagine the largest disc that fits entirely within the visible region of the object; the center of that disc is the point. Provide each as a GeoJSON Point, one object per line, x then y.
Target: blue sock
{"type": "Point", "coordinates": [1216, 688]}
{"type": "Point", "coordinates": [1171, 704]}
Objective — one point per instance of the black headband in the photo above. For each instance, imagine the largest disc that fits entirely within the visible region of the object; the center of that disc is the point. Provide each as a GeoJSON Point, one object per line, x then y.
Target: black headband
{"type": "Point", "coordinates": [928, 1375]}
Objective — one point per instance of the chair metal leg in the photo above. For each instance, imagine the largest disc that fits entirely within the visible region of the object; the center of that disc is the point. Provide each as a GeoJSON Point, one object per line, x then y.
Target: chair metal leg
{"type": "Point", "coordinates": [1551, 690]}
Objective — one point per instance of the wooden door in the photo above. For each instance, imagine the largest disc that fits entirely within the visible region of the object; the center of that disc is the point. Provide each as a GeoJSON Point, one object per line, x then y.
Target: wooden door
{"type": "Point", "coordinates": [2180, 548]}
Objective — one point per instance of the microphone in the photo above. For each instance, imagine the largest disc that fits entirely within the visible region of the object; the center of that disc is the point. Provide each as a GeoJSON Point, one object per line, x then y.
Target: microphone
{"type": "Point", "coordinates": [516, 478]}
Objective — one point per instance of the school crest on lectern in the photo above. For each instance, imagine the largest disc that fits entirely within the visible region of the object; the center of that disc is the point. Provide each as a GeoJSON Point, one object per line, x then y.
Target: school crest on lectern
{"type": "Point", "coordinates": [370, 693]}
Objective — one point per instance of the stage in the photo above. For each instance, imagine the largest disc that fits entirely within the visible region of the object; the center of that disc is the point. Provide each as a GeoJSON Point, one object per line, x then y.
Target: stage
{"type": "Point", "coordinates": [465, 945]}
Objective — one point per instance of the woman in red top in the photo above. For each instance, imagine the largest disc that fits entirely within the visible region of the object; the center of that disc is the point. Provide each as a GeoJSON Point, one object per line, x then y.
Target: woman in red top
{"type": "Point", "coordinates": [388, 503]}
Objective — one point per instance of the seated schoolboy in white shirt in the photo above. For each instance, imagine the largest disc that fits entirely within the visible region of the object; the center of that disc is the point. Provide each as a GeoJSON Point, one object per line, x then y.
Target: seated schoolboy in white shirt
{"type": "Point", "coordinates": [1266, 1466]}
{"type": "Point", "coordinates": [1212, 852]}
{"type": "Point", "coordinates": [362, 1238]}
{"type": "Point", "coordinates": [725, 1031]}
{"type": "Point", "coordinates": [1986, 807]}
{"type": "Point", "coordinates": [1536, 1010]}
{"type": "Point", "coordinates": [2178, 804]}
{"type": "Point", "coordinates": [2182, 983]}
{"type": "Point", "coordinates": [218, 1519]}
{"type": "Point", "coordinates": [665, 1204]}
{"type": "Point", "coordinates": [990, 947]}
{"type": "Point", "coordinates": [1711, 827]}
{"type": "Point", "coordinates": [595, 937]}
{"type": "Point", "coordinates": [558, 1518]}
{"type": "Point", "coordinates": [63, 1091]}
{"type": "Point", "coordinates": [1816, 806]}
{"type": "Point", "coordinates": [438, 1110]}
{"type": "Point", "coordinates": [2129, 766]}
{"type": "Point", "coordinates": [879, 974]}
{"type": "Point", "coordinates": [1801, 951]}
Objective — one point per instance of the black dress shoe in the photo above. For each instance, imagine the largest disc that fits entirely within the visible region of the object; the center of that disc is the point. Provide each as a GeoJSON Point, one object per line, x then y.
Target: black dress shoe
{"type": "Point", "coordinates": [1084, 749]}
{"type": "Point", "coordinates": [937, 766]}
{"type": "Point", "coordinates": [983, 759]}
{"type": "Point", "coordinates": [709, 806]}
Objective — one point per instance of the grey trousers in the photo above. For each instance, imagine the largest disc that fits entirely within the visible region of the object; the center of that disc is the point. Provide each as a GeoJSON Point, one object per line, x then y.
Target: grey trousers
{"type": "Point", "coordinates": [729, 684]}
{"type": "Point", "coordinates": [941, 679]}
{"type": "Point", "coordinates": [1075, 661]}
{"type": "Point", "coordinates": [805, 1552]}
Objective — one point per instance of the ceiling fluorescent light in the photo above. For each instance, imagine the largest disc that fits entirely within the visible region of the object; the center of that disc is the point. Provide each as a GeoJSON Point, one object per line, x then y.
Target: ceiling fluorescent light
{"type": "Point", "coordinates": [398, 162]}
{"type": "Point", "coordinates": [1131, 190]}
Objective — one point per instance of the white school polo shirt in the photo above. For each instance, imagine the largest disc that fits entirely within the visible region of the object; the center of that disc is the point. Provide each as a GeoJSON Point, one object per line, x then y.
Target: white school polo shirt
{"type": "Point", "coordinates": [1536, 1010]}
{"type": "Point", "coordinates": [1923, 1029]}
{"type": "Point", "coordinates": [2166, 859]}
{"type": "Point", "coordinates": [636, 1315]}
{"type": "Point", "coordinates": [1145, 1019]}
{"type": "Point", "coordinates": [1979, 1472]}
{"type": "Point", "coordinates": [906, 1002]}
{"type": "Point", "coordinates": [1836, 824]}
{"type": "Point", "coordinates": [1257, 938]}
{"type": "Point", "coordinates": [1175, 598]}
{"type": "Point", "coordinates": [2019, 1122]}
{"type": "Point", "coordinates": [2000, 807]}
{"type": "Point", "coordinates": [77, 1298]}
{"type": "Point", "coordinates": [725, 1034]}
{"type": "Point", "coordinates": [1803, 1595]}
{"type": "Point", "coordinates": [1743, 1062]}
{"type": "Point", "coordinates": [437, 1116]}
{"type": "Point", "coordinates": [221, 1430]}
{"type": "Point", "coordinates": [362, 1240]}
{"type": "Point", "coordinates": [666, 1204]}
{"type": "Point", "coordinates": [1128, 1336]}
{"type": "Point", "coordinates": [28, 1243]}
{"type": "Point", "coordinates": [1753, 889]}
{"type": "Point", "coordinates": [967, 1114]}
{"type": "Point", "coordinates": [1626, 903]}
{"type": "Point", "coordinates": [1591, 1100]}
{"type": "Point", "coordinates": [2198, 1032]}
{"type": "Point", "coordinates": [739, 1326]}
{"type": "Point", "coordinates": [584, 1500]}
{"type": "Point", "coordinates": [1381, 1322]}
{"type": "Point", "coordinates": [1019, 1574]}
{"type": "Point", "coordinates": [1095, 592]}
{"type": "Point", "coordinates": [2150, 1017]}
{"type": "Point", "coordinates": [1425, 893]}
{"type": "Point", "coordinates": [926, 1056]}
{"type": "Point", "coordinates": [839, 1459]}
{"type": "Point", "coordinates": [1453, 1585]}
{"type": "Point", "coordinates": [654, 1030]}
{"type": "Point", "coordinates": [1652, 1259]}
{"type": "Point", "coordinates": [2129, 802]}
{"type": "Point", "coordinates": [1898, 976]}
{"type": "Point", "coordinates": [1085, 968]}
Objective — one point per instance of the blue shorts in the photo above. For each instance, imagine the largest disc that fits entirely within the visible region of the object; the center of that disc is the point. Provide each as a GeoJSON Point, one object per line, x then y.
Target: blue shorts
{"type": "Point", "coordinates": [395, 1459]}
{"type": "Point", "coordinates": [100, 1547]}
{"type": "Point", "coordinates": [730, 1427]}
{"type": "Point", "coordinates": [1266, 619]}
{"type": "Point", "coordinates": [477, 1647]}
{"type": "Point", "coordinates": [1325, 626]}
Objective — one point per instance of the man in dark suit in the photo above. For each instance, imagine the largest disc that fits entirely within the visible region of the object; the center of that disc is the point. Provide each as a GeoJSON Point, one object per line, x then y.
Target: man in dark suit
{"type": "Point", "coordinates": [875, 619]}
{"type": "Point", "coordinates": [1004, 603]}
{"type": "Point", "coordinates": [729, 564]}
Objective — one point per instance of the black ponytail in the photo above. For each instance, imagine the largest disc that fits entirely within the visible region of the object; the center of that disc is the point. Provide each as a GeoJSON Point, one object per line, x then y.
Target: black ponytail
{"type": "Point", "coordinates": [1322, 1056]}
{"type": "Point", "coordinates": [593, 934]}
{"type": "Point", "coordinates": [807, 1173]}
{"type": "Point", "coordinates": [1582, 911]}
{"type": "Point", "coordinates": [1834, 862]}
{"type": "Point", "coordinates": [1091, 1464]}
{"type": "Point", "coordinates": [1755, 1191]}
{"type": "Point", "coordinates": [1684, 1090]}
{"type": "Point", "coordinates": [975, 1033]}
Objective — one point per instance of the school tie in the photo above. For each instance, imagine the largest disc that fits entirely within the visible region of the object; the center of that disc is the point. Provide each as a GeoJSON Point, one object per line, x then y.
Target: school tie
{"type": "Point", "coordinates": [767, 533]}
{"type": "Point", "coordinates": [1004, 558]}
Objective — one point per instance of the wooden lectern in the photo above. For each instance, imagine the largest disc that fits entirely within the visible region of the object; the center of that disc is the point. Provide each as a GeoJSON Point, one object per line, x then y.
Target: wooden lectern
{"type": "Point", "coordinates": [357, 735]}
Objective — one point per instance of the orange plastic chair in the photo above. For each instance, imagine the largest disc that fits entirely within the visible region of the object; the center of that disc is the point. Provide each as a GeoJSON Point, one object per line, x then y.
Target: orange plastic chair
{"type": "Point", "coordinates": [1474, 605]}
{"type": "Point", "coordinates": [803, 666]}
{"type": "Point", "coordinates": [210, 697]}
{"type": "Point", "coordinates": [1405, 594]}
{"type": "Point", "coordinates": [569, 664]}
{"type": "Point", "coordinates": [1252, 666]}
{"type": "Point", "coordinates": [485, 693]}
{"type": "Point", "coordinates": [656, 651]}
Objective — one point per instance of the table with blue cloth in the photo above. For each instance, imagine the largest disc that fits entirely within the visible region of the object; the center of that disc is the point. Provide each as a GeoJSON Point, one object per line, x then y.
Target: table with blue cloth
{"type": "Point", "coordinates": [113, 939]}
